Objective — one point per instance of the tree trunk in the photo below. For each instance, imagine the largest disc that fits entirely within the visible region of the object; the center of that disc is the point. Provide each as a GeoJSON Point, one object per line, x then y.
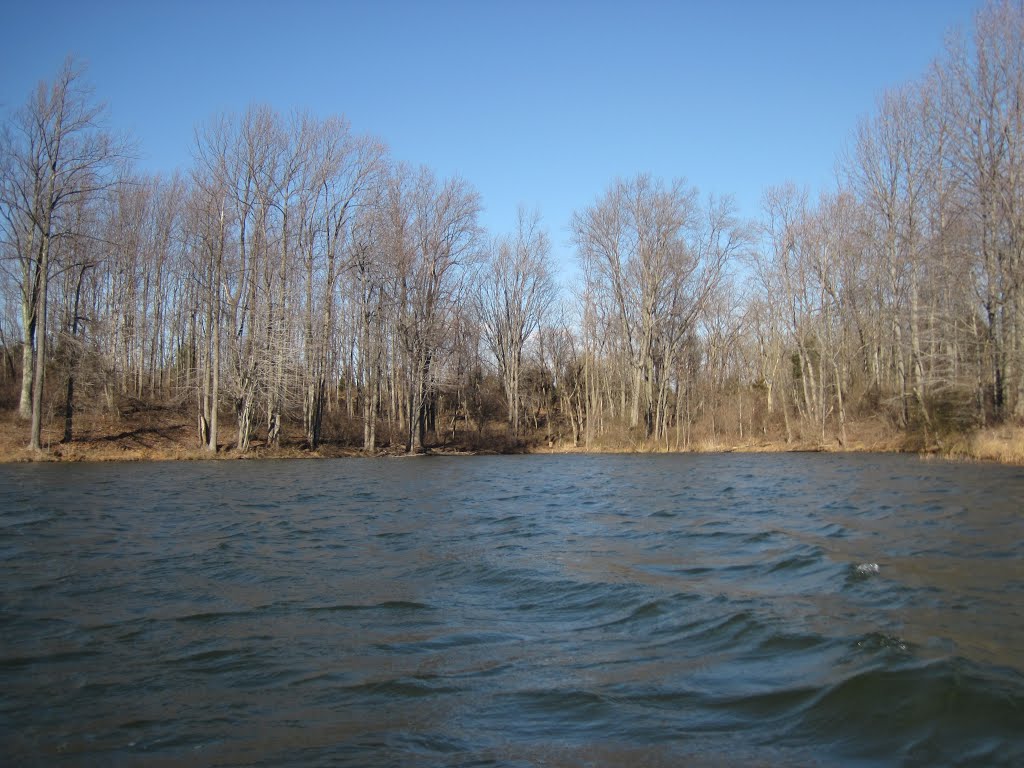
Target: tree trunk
{"type": "Point", "coordinates": [28, 368]}
{"type": "Point", "coordinates": [35, 443]}
{"type": "Point", "coordinates": [69, 408]}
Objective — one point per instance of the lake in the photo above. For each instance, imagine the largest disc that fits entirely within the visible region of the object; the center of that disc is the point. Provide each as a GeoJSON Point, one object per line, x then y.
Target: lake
{"type": "Point", "coordinates": [707, 610]}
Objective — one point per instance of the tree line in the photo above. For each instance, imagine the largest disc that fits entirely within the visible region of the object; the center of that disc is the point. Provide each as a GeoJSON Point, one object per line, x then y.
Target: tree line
{"type": "Point", "coordinates": [296, 277]}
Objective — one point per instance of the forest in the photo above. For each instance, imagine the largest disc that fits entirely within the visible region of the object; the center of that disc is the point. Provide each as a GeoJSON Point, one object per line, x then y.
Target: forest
{"type": "Point", "coordinates": [297, 287]}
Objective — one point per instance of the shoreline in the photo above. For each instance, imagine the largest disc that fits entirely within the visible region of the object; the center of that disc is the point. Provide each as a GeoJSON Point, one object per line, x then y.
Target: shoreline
{"type": "Point", "coordinates": [168, 435]}
{"type": "Point", "coordinates": [1007, 450]}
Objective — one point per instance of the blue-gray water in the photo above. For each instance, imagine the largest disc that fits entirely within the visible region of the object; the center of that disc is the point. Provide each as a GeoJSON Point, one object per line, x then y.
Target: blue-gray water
{"type": "Point", "coordinates": [513, 611]}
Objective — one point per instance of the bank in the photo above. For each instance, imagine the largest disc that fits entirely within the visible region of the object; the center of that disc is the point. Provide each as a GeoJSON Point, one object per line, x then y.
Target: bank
{"type": "Point", "coordinates": [170, 436]}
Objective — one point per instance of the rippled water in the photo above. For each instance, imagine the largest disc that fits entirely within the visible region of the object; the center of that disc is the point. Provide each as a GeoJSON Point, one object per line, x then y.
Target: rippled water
{"type": "Point", "coordinates": [513, 611]}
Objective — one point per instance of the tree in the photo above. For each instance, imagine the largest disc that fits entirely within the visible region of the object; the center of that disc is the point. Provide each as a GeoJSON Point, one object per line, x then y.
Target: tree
{"type": "Point", "coordinates": [432, 257]}
{"type": "Point", "coordinates": [985, 91]}
{"type": "Point", "coordinates": [514, 294]}
{"type": "Point", "coordinates": [652, 258]}
{"type": "Point", "coordinates": [342, 183]}
{"type": "Point", "coordinates": [56, 152]}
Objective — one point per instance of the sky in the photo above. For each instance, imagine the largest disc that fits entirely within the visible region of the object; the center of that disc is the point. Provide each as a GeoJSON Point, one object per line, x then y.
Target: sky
{"type": "Point", "coordinates": [542, 104]}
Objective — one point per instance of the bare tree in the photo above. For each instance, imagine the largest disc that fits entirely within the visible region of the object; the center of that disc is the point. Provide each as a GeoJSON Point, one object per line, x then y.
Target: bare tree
{"type": "Point", "coordinates": [344, 183]}
{"type": "Point", "coordinates": [209, 250]}
{"type": "Point", "coordinates": [57, 152]}
{"type": "Point", "coordinates": [985, 90]}
{"type": "Point", "coordinates": [432, 260]}
{"type": "Point", "coordinates": [515, 292]}
{"type": "Point", "coordinates": [373, 282]}
{"type": "Point", "coordinates": [653, 257]}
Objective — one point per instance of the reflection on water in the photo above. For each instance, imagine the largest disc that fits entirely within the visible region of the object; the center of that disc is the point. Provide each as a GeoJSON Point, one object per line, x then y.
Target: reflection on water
{"type": "Point", "coordinates": [570, 610]}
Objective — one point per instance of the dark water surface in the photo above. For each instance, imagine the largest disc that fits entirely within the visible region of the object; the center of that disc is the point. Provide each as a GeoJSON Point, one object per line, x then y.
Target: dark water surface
{"type": "Point", "coordinates": [513, 611]}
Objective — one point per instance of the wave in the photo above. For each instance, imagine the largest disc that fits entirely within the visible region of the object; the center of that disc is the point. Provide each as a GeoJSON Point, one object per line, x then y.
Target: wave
{"type": "Point", "coordinates": [387, 605]}
{"type": "Point", "coordinates": [923, 713]}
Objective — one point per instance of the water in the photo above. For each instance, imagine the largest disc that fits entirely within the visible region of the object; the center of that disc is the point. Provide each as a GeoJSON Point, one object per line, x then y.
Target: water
{"type": "Point", "coordinates": [513, 611]}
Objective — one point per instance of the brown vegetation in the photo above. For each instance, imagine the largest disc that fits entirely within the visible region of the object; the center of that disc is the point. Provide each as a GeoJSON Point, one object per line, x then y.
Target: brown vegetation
{"type": "Point", "coordinates": [138, 430]}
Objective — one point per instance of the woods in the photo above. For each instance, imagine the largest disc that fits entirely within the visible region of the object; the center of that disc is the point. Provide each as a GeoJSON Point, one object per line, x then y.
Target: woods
{"type": "Point", "coordinates": [298, 283]}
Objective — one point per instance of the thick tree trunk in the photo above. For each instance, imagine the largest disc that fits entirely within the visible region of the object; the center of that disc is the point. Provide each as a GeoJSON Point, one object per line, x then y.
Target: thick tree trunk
{"type": "Point", "coordinates": [69, 408]}
{"type": "Point", "coordinates": [317, 400]}
{"type": "Point", "coordinates": [214, 402]}
{"type": "Point", "coordinates": [244, 409]}
{"type": "Point", "coordinates": [35, 443]}
{"type": "Point", "coordinates": [370, 404]}
{"type": "Point", "coordinates": [1018, 411]}
{"type": "Point", "coordinates": [28, 369]}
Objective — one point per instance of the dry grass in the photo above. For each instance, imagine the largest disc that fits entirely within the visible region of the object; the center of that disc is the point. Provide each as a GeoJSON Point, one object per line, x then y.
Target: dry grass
{"type": "Point", "coordinates": [1004, 444]}
{"type": "Point", "coordinates": [868, 435]}
{"type": "Point", "coordinates": [158, 434]}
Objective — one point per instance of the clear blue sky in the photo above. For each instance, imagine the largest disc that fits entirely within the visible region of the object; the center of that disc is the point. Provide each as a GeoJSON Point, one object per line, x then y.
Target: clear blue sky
{"type": "Point", "coordinates": [542, 103]}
